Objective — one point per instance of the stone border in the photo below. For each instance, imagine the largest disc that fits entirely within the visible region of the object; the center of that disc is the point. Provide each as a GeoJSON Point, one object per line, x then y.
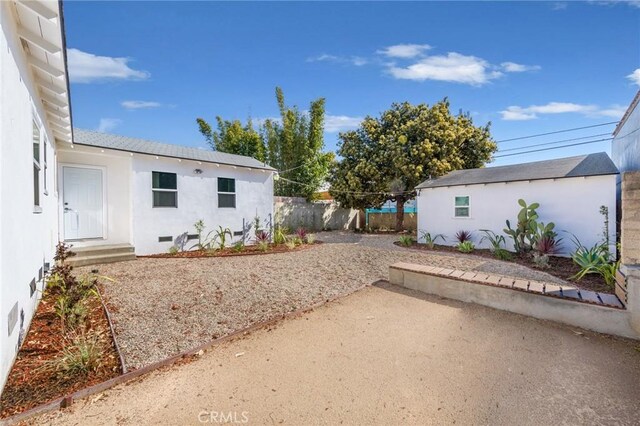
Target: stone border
{"type": "Point", "coordinates": [66, 401]}
{"type": "Point", "coordinates": [539, 300]}
{"type": "Point", "coordinates": [531, 286]}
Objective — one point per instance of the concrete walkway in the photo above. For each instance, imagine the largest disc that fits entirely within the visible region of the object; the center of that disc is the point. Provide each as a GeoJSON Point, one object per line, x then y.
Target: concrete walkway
{"type": "Point", "coordinates": [386, 355]}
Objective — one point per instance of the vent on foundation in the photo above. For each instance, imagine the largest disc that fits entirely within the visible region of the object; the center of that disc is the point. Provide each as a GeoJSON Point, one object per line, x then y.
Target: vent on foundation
{"type": "Point", "coordinates": [165, 239]}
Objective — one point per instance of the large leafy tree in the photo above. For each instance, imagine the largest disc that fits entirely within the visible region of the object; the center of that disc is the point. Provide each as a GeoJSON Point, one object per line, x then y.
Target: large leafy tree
{"type": "Point", "coordinates": [292, 144]}
{"type": "Point", "coordinates": [387, 157]}
{"type": "Point", "coordinates": [233, 137]}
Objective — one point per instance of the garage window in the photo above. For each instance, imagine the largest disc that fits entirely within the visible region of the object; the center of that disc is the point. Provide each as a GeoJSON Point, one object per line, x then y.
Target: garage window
{"type": "Point", "coordinates": [226, 193]}
{"type": "Point", "coordinates": [165, 189]}
{"type": "Point", "coordinates": [462, 206]}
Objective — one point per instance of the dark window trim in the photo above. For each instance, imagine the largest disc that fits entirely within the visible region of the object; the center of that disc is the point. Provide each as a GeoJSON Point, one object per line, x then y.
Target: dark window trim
{"type": "Point", "coordinates": [234, 193]}
{"type": "Point", "coordinates": [154, 190]}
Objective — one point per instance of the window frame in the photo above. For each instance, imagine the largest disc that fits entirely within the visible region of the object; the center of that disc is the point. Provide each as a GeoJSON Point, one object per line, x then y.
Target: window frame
{"type": "Point", "coordinates": [456, 207]}
{"type": "Point", "coordinates": [234, 193]}
{"type": "Point", "coordinates": [45, 165]}
{"type": "Point", "coordinates": [159, 189]}
{"type": "Point", "coordinates": [36, 144]}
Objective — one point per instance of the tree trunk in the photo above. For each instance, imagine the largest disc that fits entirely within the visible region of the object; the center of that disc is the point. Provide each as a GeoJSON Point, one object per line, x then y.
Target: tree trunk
{"type": "Point", "coordinates": [399, 214]}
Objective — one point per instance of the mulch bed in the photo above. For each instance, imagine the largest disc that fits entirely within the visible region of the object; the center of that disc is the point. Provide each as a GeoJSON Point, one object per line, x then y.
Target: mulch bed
{"type": "Point", "coordinates": [229, 251]}
{"type": "Point", "coordinates": [561, 267]}
{"type": "Point", "coordinates": [32, 382]}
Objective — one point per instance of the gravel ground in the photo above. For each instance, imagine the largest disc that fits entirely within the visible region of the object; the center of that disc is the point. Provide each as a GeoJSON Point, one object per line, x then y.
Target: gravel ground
{"type": "Point", "coordinates": [161, 307]}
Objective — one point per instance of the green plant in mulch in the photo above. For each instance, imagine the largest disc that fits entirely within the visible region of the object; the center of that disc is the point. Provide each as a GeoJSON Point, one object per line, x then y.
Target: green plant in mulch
{"type": "Point", "coordinates": [82, 354]}
{"type": "Point", "coordinates": [406, 240]}
{"type": "Point", "coordinates": [466, 247]}
{"type": "Point", "coordinates": [430, 240]}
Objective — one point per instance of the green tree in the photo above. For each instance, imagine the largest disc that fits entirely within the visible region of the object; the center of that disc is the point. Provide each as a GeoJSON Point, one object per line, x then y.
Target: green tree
{"type": "Point", "coordinates": [387, 157]}
{"type": "Point", "coordinates": [295, 146]}
{"type": "Point", "coordinates": [234, 138]}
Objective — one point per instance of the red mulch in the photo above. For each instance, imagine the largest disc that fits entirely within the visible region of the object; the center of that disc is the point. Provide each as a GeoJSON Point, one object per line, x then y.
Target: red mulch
{"type": "Point", "coordinates": [229, 252]}
{"type": "Point", "coordinates": [561, 267]}
{"type": "Point", "coordinates": [30, 383]}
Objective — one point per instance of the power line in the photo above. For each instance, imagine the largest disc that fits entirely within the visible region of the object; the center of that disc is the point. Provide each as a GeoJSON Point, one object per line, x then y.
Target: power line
{"type": "Point", "coordinates": [553, 147]}
{"type": "Point", "coordinates": [557, 131]}
{"type": "Point", "coordinates": [554, 142]}
{"type": "Point", "coordinates": [348, 192]}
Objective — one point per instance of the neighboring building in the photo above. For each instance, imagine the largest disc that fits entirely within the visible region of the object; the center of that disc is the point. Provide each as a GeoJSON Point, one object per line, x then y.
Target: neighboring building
{"type": "Point", "coordinates": [625, 147]}
{"type": "Point", "coordinates": [121, 190]}
{"type": "Point", "coordinates": [35, 116]}
{"type": "Point", "coordinates": [570, 192]}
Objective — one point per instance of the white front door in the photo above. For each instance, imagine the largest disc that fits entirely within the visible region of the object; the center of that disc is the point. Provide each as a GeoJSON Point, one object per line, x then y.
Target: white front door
{"type": "Point", "coordinates": [82, 203]}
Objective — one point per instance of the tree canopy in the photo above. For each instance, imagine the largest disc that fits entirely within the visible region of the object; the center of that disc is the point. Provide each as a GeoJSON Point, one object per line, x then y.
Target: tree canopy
{"type": "Point", "coordinates": [292, 144]}
{"type": "Point", "coordinates": [387, 157]}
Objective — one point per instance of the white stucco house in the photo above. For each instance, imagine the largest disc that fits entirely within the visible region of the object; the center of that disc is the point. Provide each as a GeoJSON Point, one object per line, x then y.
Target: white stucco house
{"type": "Point", "coordinates": [116, 190]}
{"type": "Point", "coordinates": [570, 192]}
{"type": "Point", "coordinates": [105, 194]}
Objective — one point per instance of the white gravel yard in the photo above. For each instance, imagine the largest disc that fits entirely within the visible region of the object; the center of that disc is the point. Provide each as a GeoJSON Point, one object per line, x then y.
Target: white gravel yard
{"type": "Point", "coordinates": [161, 306]}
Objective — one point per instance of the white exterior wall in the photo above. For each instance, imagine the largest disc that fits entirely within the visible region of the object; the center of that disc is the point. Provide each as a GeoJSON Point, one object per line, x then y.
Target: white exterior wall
{"type": "Point", "coordinates": [573, 204]}
{"type": "Point", "coordinates": [625, 146]}
{"type": "Point", "coordinates": [27, 239]}
{"type": "Point", "coordinates": [116, 174]}
{"type": "Point", "coordinates": [197, 199]}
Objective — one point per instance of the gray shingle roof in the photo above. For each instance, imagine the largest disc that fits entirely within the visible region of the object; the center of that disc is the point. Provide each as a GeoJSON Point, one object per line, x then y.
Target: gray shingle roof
{"type": "Point", "coordinates": [142, 146]}
{"type": "Point", "coordinates": [583, 165]}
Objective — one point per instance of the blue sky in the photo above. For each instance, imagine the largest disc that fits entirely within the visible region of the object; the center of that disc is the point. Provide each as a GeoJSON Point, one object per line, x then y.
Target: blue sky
{"type": "Point", "coordinates": [148, 69]}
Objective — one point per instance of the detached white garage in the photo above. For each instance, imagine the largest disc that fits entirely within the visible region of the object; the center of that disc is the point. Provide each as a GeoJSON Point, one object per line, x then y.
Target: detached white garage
{"type": "Point", "coordinates": [570, 192]}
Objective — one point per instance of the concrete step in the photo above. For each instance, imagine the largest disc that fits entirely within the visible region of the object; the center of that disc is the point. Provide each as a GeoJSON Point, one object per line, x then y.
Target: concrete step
{"type": "Point", "coordinates": [101, 250]}
{"type": "Point", "coordinates": [76, 261]}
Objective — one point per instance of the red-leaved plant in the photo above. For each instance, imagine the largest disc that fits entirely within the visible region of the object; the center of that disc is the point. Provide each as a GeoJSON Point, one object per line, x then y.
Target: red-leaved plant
{"type": "Point", "coordinates": [302, 234]}
{"type": "Point", "coordinates": [547, 245]}
{"type": "Point", "coordinates": [262, 237]}
{"type": "Point", "coordinates": [463, 236]}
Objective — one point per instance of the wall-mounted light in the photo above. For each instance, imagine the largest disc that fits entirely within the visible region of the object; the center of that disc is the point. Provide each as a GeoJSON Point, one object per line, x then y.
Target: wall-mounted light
{"type": "Point", "coordinates": [197, 171]}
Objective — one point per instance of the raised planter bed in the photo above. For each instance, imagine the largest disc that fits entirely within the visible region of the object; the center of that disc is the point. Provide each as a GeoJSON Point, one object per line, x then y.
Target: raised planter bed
{"type": "Point", "coordinates": [32, 383]}
{"type": "Point", "coordinates": [229, 251]}
{"type": "Point", "coordinates": [561, 267]}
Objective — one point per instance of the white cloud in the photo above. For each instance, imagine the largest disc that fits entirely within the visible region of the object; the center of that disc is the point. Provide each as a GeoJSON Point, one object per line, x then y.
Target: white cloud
{"type": "Point", "coordinates": [513, 67]}
{"type": "Point", "coordinates": [559, 5]}
{"type": "Point", "coordinates": [632, 3]}
{"type": "Point", "coordinates": [532, 112]}
{"type": "Point", "coordinates": [140, 104]}
{"type": "Point", "coordinates": [340, 123]}
{"type": "Point", "coordinates": [88, 68]}
{"type": "Point", "coordinates": [108, 124]}
{"type": "Point", "coordinates": [404, 51]}
{"type": "Point", "coordinates": [352, 60]}
{"type": "Point", "coordinates": [635, 77]}
{"type": "Point", "coordinates": [452, 67]}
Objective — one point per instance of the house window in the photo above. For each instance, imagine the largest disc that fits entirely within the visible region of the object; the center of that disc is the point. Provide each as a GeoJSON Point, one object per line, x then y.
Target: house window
{"type": "Point", "coordinates": [462, 206]}
{"type": "Point", "coordinates": [36, 166]}
{"type": "Point", "coordinates": [165, 189]}
{"type": "Point", "coordinates": [226, 192]}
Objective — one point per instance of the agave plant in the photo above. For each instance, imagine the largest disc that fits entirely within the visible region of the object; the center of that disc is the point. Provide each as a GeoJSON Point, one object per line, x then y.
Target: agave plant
{"type": "Point", "coordinates": [590, 260]}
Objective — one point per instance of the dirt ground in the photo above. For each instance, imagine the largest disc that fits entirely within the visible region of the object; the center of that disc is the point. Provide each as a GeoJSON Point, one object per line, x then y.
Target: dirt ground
{"type": "Point", "coordinates": [386, 355]}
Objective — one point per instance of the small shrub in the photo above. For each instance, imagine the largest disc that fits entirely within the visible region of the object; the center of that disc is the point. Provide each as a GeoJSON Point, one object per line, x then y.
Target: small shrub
{"type": "Point", "coordinates": [221, 235]}
{"type": "Point", "coordinates": [204, 241]}
{"type": "Point", "coordinates": [608, 272]}
{"type": "Point", "coordinates": [502, 254]}
{"type": "Point", "coordinates": [173, 250]}
{"type": "Point", "coordinates": [290, 244]}
{"type": "Point", "coordinates": [263, 246]}
{"type": "Point", "coordinates": [406, 240]}
{"type": "Point", "coordinates": [590, 260]}
{"type": "Point", "coordinates": [541, 260]}
{"type": "Point", "coordinates": [464, 236]}
{"type": "Point", "coordinates": [238, 247]}
{"type": "Point", "coordinates": [311, 238]}
{"type": "Point", "coordinates": [280, 235]}
{"type": "Point", "coordinates": [466, 247]}
{"type": "Point", "coordinates": [262, 237]}
{"type": "Point", "coordinates": [430, 240]}
{"type": "Point", "coordinates": [547, 245]}
{"type": "Point", "coordinates": [82, 354]}
{"type": "Point", "coordinates": [301, 233]}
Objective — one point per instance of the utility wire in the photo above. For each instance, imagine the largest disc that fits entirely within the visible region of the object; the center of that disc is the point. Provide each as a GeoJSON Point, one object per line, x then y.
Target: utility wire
{"type": "Point", "coordinates": [554, 142]}
{"type": "Point", "coordinates": [557, 131]}
{"type": "Point", "coordinates": [553, 147]}
{"type": "Point", "coordinates": [349, 192]}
